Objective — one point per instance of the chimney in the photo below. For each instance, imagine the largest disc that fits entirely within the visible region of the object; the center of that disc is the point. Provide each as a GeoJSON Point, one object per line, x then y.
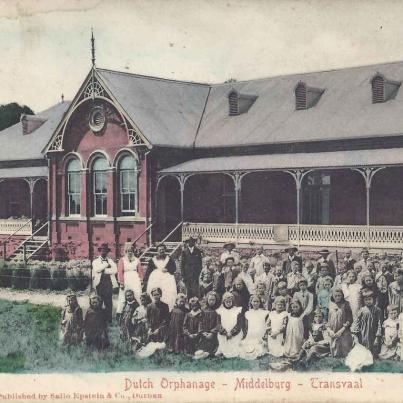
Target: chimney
{"type": "Point", "coordinates": [30, 123]}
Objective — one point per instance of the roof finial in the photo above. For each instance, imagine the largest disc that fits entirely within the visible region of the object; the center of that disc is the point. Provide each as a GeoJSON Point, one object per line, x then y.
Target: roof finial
{"type": "Point", "coordinates": [93, 47]}
{"type": "Point", "coordinates": [62, 98]}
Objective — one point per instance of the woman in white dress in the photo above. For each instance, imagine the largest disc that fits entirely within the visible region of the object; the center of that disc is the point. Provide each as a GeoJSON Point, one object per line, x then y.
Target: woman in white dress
{"type": "Point", "coordinates": [130, 274]}
{"type": "Point", "coordinates": [230, 331]}
{"type": "Point", "coordinates": [160, 274]}
{"type": "Point", "coordinates": [277, 325]}
{"type": "Point", "coordinates": [253, 345]}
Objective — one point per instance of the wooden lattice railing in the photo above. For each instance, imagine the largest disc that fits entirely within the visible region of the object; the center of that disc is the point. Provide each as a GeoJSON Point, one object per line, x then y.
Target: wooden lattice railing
{"type": "Point", "coordinates": [304, 235]}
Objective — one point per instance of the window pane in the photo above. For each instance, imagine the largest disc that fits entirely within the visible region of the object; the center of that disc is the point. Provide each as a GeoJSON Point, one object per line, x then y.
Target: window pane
{"type": "Point", "coordinates": [74, 204]}
{"type": "Point", "coordinates": [73, 166]}
{"type": "Point", "coordinates": [100, 204]}
{"type": "Point", "coordinates": [100, 164]}
{"type": "Point", "coordinates": [128, 162]}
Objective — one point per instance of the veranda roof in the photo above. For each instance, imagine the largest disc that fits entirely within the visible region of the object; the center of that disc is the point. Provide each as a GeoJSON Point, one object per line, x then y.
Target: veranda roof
{"type": "Point", "coordinates": [23, 172]}
{"type": "Point", "coordinates": [333, 159]}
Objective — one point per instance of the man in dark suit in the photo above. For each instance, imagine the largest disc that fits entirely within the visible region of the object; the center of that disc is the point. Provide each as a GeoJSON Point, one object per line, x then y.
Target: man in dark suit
{"type": "Point", "coordinates": [291, 257]}
{"type": "Point", "coordinates": [191, 266]}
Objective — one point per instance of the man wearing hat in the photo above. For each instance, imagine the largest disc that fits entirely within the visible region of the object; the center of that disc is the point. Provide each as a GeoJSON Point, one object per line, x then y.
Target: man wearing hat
{"type": "Point", "coordinates": [104, 279]}
{"type": "Point", "coordinates": [291, 257]}
{"type": "Point", "coordinates": [324, 260]}
{"type": "Point", "coordinates": [229, 252]}
{"type": "Point", "coordinates": [191, 266]}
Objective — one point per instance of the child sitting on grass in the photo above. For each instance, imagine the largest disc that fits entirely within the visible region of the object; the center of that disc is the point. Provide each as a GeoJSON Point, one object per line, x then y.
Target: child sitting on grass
{"type": "Point", "coordinates": [318, 343]}
{"type": "Point", "coordinates": [126, 316]}
{"type": "Point", "coordinates": [96, 325]}
{"type": "Point", "coordinates": [140, 324]}
{"type": "Point", "coordinates": [71, 325]}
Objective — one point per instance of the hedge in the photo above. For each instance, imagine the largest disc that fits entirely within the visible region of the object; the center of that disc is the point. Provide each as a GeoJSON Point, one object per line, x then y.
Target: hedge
{"type": "Point", "coordinates": [21, 278]}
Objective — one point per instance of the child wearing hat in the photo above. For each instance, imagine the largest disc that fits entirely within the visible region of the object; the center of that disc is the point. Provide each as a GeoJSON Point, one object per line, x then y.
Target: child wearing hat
{"type": "Point", "coordinates": [96, 325]}
{"type": "Point", "coordinates": [71, 325]}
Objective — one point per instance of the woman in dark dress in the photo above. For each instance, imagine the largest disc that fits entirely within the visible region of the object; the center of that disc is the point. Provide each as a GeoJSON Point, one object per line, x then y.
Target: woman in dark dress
{"type": "Point", "coordinates": [158, 317]}
{"type": "Point", "coordinates": [191, 326]}
{"type": "Point", "coordinates": [209, 325]}
{"type": "Point", "coordinates": [175, 339]}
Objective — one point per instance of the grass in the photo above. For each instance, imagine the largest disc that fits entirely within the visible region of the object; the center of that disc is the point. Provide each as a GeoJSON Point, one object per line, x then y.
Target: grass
{"type": "Point", "coordinates": [29, 344]}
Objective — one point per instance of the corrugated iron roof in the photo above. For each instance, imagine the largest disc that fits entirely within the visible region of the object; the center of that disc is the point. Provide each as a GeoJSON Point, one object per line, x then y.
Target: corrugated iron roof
{"type": "Point", "coordinates": [344, 111]}
{"type": "Point", "coordinates": [167, 112]}
{"type": "Point", "coordinates": [24, 172]}
{"type": "Point", "coordinates": [16, 146]}
{"type": "Point", "coordinates": [332, 159]}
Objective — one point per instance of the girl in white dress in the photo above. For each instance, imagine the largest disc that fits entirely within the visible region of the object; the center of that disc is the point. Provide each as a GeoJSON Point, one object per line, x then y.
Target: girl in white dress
{"type": "Point", "coordinates": [230, 331]}
{"type": "Point", "coordinates": [277, 324]}
{"type": "Point", "coordinates": [352, 292]}
{"type": "Point", "coordinates": [162, 277]}
{"type": "Point", "coordinates": [253, 345]}
{"type": "Point", "coordinates": [130, 274]}
{"type": "Point", "coordinates": [294, 334]}
{"type": "Point", "coordinates": [390, 349]}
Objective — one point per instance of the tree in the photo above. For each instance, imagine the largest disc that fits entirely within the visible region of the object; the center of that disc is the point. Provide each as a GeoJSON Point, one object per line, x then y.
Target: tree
{"type": "Point", "coordinates": [10, 114]}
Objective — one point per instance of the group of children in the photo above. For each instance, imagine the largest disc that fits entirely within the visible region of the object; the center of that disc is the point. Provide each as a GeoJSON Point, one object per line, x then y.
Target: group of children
{"type": "Point", "coordinates": [291, 308]}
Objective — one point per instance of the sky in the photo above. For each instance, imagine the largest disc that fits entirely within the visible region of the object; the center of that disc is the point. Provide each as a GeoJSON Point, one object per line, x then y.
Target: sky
{"type": "Point", "coordinates": [45, 45]}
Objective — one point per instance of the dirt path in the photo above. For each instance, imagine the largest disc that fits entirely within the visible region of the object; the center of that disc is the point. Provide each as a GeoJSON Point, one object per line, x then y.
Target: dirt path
{"type": "Point", "coordinates": [44, 297]}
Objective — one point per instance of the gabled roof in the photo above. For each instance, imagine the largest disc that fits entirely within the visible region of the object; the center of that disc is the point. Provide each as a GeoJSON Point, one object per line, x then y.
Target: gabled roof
{"type": "Point", "coordinates": [344, 111]}
{"type": "Point", "coordinates": [167, 112]}
{"type": "Point", "coordinates": [16, 146]}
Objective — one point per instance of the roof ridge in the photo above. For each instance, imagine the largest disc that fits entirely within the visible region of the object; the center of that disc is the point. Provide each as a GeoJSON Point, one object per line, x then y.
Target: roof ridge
{"type": "Point", "coordinates": [308, 73]}
{"type": "Point", "coordinates": [154, 77]}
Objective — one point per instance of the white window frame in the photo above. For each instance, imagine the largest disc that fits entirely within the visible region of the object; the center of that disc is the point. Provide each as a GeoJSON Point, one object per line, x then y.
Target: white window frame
{"type": "Point", "coordinates": [70, 193]}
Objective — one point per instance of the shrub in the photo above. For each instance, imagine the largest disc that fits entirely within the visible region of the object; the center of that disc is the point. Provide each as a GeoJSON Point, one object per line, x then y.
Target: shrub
{"type": "Point", "coordinates": [21, 278]}
{"type": "Point", "coordinates": [40, 278]}
{"type": "Point", "coordinates": [6, 274]}
{"type": "Point", "coordinates": [78, 281]}
{"type": "Point", "coordinates": [59, 280]}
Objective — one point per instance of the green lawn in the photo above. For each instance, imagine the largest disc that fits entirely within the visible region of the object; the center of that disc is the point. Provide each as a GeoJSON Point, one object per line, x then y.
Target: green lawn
{"type": "Point", "coordinates": [29, 343]}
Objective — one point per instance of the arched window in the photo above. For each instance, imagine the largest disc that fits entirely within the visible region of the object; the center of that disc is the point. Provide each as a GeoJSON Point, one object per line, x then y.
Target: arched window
{"type": "Point", "coordinates": [73, 187]}
{"type": "Point", "coordinates": [128, 184]}
{"type": "Point", "coordinates": [100, 182]}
